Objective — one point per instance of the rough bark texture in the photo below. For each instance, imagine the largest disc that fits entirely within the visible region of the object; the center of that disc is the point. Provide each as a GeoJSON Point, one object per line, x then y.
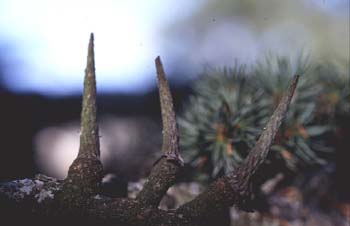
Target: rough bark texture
{"type": "Point", "coordinates": [77, 197]}
{"type": "Point", "coordinates": [85, 173]}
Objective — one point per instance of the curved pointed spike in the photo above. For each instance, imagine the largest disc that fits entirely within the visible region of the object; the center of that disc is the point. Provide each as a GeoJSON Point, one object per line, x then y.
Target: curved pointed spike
{"type": "Point", "coordinates": [89, 138]}
{"type": "Point", "coordinates": [170, 148]}
{"type": "Point", "coordinates": [259, 152]}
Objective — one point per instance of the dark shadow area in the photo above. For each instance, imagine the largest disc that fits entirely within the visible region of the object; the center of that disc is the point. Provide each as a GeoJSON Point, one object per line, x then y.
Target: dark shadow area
{"type": "Point", "coordinates": [22, 116]}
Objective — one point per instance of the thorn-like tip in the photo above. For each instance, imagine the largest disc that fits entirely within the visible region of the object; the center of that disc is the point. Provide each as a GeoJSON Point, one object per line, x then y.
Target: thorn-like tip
{"type": "Point", "coordinates": [162, 83]}
{"type": "Point", "coordinates": [158, 61]}
{"type": "Point", "coordinates": [91, 44]}
{"type": "Point", "coordinates": [292, 85]}
{"type": "Point", "coordinates": [159, 67]}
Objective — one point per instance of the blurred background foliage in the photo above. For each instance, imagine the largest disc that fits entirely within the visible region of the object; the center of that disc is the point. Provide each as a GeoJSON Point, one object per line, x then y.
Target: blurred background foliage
{"type": "Point", "coordinates": [221, 31]}
{"type": "Point", "coordinates": [227, 112]}
{"type": "Point", "coordinates": [230, 107]}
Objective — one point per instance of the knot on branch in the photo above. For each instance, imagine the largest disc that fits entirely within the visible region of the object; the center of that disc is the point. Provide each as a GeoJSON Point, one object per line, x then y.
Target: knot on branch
{"type": "Point", "coordinates": [84, 177]}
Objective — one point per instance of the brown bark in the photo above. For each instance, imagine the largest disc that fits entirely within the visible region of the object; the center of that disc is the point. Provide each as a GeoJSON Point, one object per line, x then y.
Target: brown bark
{"type": "Point", "coordinates": [78, 195]}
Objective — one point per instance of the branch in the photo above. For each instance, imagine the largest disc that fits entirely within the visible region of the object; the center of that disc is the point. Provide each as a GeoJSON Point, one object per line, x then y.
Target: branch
{"type": "Point", "coordinates": [234, 188]}
{"type": "Point", "coordinates": [85, 173]}
{"type": "Point", "coordinates": [166, 169]}
{"type": "Point", "coordinates": [78, 195]}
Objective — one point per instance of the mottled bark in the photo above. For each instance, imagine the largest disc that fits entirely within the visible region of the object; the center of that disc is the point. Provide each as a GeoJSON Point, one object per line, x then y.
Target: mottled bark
{"type": "Point", "coordinates": [78, 195]}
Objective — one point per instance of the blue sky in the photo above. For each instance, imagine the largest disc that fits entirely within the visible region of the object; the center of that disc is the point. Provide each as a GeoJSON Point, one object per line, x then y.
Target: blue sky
{"type": "Point", "coordinates": [46, 41]}
{"type": "Point", "coordinates": [49, 40]}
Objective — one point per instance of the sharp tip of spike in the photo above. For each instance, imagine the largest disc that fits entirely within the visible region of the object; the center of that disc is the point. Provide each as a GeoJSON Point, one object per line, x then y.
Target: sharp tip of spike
{"type": "Point", "coordinates": [295, 80]}
{"type": "Point", "coordinates": [91, 41]}
{"type": "Point", "coordinates": [158, 61]}
{"type": "Point", "coordinates": [159, 69]}
{"type": "Point", "coordinates": [90, 55]}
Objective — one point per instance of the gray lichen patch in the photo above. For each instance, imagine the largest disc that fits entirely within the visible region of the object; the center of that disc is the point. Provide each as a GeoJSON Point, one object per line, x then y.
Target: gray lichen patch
{"type": "Point", "coordinates": [39, 188]}
{"type": "Point", "coordinates": [44, 194]}
{"type": "Point", "coordinates": [26, 186]}
{"type": "Point", "coordinates": [98, 197]}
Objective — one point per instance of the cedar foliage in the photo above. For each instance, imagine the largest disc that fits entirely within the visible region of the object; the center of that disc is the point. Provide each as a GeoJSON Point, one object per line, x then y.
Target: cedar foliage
{"type": "Point", "coordinates": [230, 106]}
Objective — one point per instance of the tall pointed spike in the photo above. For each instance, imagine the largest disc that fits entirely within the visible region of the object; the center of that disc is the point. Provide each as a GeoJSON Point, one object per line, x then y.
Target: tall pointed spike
{"type": "Point", "coordinates": [170, 148]}
{"type": "Point", "coordinates": [240, 179]}
{"type": "Point", "coordinates": [89, 138]}
{"type": "Point", "coordinates": [85, 173]}
{"type": "Point", "coordinates": [259, 152]}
